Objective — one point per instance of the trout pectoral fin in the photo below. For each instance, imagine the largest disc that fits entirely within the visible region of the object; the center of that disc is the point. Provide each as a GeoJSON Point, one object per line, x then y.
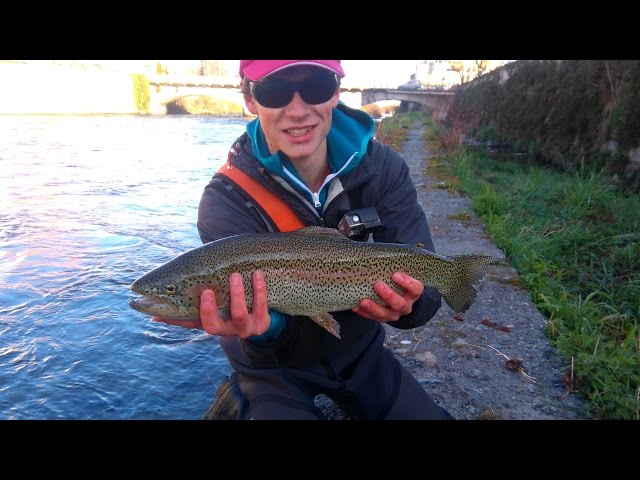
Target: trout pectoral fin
{"type": "Point", "coordinates": [326, 321]}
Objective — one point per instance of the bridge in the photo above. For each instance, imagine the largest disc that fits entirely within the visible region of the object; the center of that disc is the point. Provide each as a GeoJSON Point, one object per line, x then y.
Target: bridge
{"type": "Point", "coordinates": [166, 89]}
{"type": "Point", "coordinates": [169, 88]}
{"type": "Point", "coordinates": [438, 101]}
{"type": "Point", "coordinates": [212, 81]}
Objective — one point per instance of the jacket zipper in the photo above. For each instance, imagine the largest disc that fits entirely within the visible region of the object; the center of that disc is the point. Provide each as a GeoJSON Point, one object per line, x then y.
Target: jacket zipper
{"type": "Point", "coordinates": [316, 195]}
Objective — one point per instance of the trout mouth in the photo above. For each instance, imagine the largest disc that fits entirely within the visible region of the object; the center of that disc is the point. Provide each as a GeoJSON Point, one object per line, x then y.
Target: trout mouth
{"type": "Point", "coordinates": [155, 306]}
{"type": "Point", "coordinates": [152, 303]}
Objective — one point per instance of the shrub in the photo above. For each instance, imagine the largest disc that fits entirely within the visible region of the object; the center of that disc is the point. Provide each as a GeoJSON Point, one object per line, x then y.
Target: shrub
{"type": "Point", "coordinates": [141, 94]}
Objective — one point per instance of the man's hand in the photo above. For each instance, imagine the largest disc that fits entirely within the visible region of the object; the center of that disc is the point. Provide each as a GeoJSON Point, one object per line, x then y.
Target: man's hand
{"type": "Point", "coordinates": [242, 323]}
{"type": "Point", "coordinates": [397, 304]}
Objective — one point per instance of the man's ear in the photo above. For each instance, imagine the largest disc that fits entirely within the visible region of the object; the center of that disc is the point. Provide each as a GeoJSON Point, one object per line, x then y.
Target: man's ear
{"type": "Point", "coordinates": [336, 98]}
{"type": "Point", "coordinates": [250, 102]}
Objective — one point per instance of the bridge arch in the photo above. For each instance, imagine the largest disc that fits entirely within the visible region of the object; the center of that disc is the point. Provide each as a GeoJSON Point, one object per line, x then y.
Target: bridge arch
{"type": "Point", "coordinates": [437, 101]}
{"type": "Point", "coordinates": [164, 97]}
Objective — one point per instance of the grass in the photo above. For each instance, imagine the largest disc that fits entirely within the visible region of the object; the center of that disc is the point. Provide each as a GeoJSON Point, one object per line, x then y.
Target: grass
{"type": "Point", "coordinates": [575, 241]}
{"type": "Point", "coordinates": [393, 130]}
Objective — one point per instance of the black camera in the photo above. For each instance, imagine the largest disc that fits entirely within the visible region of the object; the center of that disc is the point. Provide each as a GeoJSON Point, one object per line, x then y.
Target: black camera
{"type": "Point", "coordinates": [359, 222]}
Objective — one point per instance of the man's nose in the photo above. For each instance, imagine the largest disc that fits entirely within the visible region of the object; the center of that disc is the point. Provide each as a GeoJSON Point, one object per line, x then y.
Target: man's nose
{"type": "Point", "coordinates": [297, 106]}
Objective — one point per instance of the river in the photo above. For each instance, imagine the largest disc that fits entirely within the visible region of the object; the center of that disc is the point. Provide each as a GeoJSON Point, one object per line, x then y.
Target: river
{"type": "Point", "coordinates": [90, 203]}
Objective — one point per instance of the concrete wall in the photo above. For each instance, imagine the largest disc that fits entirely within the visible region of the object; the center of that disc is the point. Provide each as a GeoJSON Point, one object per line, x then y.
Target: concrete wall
{"type": "Point", "coordinates": [52, 89]}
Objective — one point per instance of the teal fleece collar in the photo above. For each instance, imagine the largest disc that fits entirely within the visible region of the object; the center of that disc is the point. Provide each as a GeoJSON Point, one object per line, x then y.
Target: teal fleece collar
{"type": "Point", "coordinates": [350, 133]}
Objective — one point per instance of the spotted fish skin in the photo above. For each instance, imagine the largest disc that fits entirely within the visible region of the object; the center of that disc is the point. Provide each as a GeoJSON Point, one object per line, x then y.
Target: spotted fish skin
{"type": "Point", "coordinates": [311, 271]}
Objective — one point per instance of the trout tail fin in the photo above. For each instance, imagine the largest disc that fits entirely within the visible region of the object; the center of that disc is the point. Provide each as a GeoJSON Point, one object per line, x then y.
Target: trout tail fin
{"type": "Point", "coordinates": [467, 270]}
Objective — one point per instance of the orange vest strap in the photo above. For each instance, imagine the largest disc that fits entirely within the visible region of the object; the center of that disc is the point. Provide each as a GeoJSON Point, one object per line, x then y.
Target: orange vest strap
{"type": "Point", "coordinates": [278, 210]}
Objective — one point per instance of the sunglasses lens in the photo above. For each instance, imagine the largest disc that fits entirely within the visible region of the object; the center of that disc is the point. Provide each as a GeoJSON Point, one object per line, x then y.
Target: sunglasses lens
{"type": "Point", "coordinates": [272, 94]}
{"type": "Point", "coordinates": [318, 89]}
{"type": "Point", "coordinates": [278, 93]}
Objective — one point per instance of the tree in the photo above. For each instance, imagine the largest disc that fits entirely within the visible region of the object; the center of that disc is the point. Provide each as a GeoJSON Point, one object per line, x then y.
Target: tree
{"type": "Point", "coordinates": [468, 70]}
{"type": "Point", "coordinates": [463, 70]}
{"type": "Point", "coordinates": [481, 66]}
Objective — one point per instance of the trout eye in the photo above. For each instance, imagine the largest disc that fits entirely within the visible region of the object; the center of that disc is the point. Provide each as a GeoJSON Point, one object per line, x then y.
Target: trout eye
{"type": "Point", "coordinates": [170, 289]}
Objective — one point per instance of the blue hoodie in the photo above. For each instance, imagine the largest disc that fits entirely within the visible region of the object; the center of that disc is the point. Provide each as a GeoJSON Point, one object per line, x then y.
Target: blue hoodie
{"type": "Point", "coordinates": [347, 142]}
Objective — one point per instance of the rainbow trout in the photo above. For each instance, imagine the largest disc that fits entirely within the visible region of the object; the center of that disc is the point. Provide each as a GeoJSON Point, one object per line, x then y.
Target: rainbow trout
{"type": "Point", "coordinates": [311, 271]}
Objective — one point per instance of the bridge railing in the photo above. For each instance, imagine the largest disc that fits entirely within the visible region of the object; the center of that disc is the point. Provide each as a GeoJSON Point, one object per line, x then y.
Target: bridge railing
{"type": "Point", "coordinates": [436, 86]}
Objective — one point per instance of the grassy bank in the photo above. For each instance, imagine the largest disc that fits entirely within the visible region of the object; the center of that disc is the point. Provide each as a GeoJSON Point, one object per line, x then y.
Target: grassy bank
{"type": "Point", "coordinates": [575, 241]}
{"type": "Point", "coordinates": [393, 130]}
{"type": "Point", "coordinates": [204, 105]}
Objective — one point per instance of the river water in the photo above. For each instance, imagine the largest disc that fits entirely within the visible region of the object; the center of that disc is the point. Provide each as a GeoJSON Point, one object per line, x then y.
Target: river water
{"type": "Point", "coordinates": [88, 204]}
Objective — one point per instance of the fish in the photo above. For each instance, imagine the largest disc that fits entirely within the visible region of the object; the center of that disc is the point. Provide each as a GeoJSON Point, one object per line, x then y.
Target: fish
{"type": "Point", "coordinates": [309, 272]}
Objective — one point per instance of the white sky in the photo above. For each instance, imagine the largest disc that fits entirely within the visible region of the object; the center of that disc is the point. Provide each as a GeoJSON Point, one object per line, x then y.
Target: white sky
{"type": "Point", "coordinates": [361, 73]}
{"type": "Point", "coordinates": [366, 72]}
{"type": "Point", "coordinates": [382, 73]}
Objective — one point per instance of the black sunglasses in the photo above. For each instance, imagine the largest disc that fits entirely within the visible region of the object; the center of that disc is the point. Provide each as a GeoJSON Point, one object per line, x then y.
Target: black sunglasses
{"type": "Point", "coordinates": [314, 90]}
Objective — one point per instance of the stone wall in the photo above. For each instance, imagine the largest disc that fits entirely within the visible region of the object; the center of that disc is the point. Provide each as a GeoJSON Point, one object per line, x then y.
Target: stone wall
{"type": "Point", "coordinates": [567, 113]}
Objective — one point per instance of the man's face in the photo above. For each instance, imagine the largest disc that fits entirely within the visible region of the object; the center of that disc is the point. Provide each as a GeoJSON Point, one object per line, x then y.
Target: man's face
{"type": "Point", "coordinates": [298, 129]}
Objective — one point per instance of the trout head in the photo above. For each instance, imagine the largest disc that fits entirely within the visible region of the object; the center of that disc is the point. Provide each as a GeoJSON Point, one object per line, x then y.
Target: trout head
{"type": "Point", "coordinates": [171, 291]}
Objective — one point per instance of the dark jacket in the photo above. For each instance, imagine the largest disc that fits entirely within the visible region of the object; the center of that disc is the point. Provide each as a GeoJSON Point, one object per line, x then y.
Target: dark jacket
{"type": "Point", "coordinates": [380, 180]}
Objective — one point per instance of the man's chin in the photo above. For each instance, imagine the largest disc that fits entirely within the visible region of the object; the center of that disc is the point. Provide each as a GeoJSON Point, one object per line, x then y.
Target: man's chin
{"type": "Point", "coordinates": [299, 151]}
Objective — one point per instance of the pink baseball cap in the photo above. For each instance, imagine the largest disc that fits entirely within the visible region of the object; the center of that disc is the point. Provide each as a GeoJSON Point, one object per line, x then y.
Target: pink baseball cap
{"type": "Point", "coordinates": [256, 70]}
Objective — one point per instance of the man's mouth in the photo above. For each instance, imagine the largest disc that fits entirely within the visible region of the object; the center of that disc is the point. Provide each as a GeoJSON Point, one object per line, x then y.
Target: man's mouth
{"type": "Point", "coordinates": [298, 132]}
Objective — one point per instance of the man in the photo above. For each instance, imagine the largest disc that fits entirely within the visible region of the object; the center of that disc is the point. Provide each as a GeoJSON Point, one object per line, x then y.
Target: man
{"type": "Point", "coordinates": [318, 155]}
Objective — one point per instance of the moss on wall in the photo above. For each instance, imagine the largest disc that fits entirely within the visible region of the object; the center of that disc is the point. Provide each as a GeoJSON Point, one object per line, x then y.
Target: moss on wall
{"type": "Point", "coordinates": [570, 113]}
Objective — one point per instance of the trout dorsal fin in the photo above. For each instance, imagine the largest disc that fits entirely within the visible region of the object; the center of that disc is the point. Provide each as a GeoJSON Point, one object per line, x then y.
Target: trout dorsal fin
{"type": "Point", "coordinates": [316, 231]}
{"type": "Point", "coordinates": [326, 321]}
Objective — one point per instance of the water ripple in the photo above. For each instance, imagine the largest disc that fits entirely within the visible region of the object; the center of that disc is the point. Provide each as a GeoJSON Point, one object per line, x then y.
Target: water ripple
{"type": "Point", "coordinates": [89, 205]}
